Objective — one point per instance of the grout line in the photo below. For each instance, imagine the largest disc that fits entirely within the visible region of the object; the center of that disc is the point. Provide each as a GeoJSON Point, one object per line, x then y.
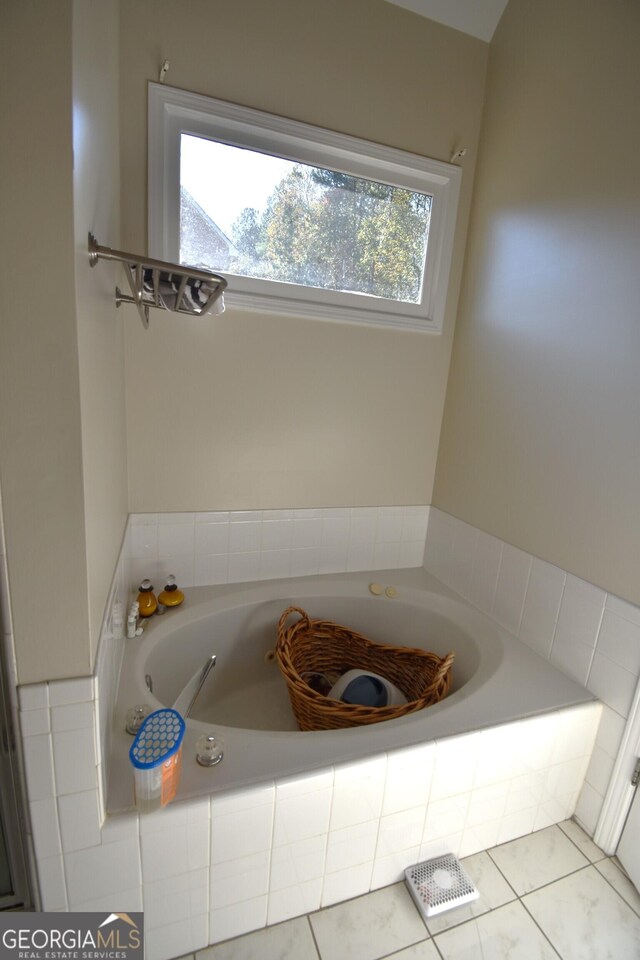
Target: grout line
{"type": "Point", "coordinates": [606, 879]}
{"type": "Point", "coordinates": [396, 953]}
{"type": "Point", "coordinates": [595, 645]}
{"type": "Point", "coordinates": [488, 852]}
{"type": "Point", "coordinates": [475, 920]}
{"type": "Point", "coordinates": [542, 931]}
{"type": "Point", "coordinates": [550, 882]}
{"type": "Point", "coordinates": [524, 596]}
{"type": "Point", "coordinates": [543, 886]}
{"type": "Point", "coordinates": [313, 936]}
{"type": "Point", "coordinates": [437, 949]}
{"type": "Point", "coordinates": [593, 862]}
{"type": "Point", "coordinates": [555, 625]}
{"type": "Point", "coordinates": [489, 609]}
{"type": "Point", "coordinates": [557, 616]}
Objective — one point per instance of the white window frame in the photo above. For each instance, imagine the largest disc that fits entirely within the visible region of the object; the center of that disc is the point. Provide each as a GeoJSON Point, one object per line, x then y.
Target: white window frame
{"type": "Point", "coordinates": [173, 112]}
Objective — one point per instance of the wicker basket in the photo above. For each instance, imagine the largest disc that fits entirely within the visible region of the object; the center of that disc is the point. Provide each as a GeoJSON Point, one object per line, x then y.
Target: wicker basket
{"type": "Point", "coordinates": [322, 647]}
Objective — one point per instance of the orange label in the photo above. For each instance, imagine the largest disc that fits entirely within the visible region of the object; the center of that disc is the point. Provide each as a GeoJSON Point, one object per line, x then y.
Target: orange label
{"type": "Point", "coordinates": [171, 770]}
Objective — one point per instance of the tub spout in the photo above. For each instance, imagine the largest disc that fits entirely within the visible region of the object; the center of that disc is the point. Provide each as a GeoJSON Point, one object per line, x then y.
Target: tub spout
{"type": "Point", "coordinates": [193, 688]}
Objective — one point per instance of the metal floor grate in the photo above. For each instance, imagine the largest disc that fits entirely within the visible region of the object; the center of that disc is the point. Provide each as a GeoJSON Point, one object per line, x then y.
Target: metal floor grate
{"type": "Point", "coordinates": [439, 884]}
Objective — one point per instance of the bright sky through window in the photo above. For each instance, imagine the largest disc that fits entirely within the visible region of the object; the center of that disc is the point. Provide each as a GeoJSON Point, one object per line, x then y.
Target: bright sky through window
{"type": "Point", "coordinates": [296, 223]}
{"type": "Point", "coordinates": [248, 177]}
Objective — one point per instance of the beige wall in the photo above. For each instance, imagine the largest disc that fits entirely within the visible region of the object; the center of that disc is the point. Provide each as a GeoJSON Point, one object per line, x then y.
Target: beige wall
{"type": "Point", "coordinates": [40, 442]}
{"type": "Point", "coordinates": [62, 443]}
{"type": "Point", "coordinates": [541, 438]}
{"type": "Point", "coordinates": [96, 195]}
{"type": "Point", "coordinates": [259, 411]}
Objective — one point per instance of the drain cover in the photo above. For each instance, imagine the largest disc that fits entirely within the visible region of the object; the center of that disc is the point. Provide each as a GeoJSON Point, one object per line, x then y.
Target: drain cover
{"type": "Point", "coordinates": [439, 884]}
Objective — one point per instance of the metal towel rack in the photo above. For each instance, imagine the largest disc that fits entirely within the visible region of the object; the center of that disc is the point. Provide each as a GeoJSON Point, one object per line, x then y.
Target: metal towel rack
{"type": "Point", "coordinates": [165, 286]}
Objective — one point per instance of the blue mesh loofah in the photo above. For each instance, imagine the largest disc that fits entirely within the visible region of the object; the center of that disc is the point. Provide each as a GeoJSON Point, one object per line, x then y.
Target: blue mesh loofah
{"type": "Point", "coordinates": [159, 737]}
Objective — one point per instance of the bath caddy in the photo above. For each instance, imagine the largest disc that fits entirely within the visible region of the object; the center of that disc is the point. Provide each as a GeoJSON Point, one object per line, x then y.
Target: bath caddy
{"type": "Point", "coordinates": [306, 647]}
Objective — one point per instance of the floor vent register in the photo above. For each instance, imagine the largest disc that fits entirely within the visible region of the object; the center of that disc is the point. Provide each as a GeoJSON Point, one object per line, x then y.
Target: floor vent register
{"type": "Point", "coordinates": [439, 884]}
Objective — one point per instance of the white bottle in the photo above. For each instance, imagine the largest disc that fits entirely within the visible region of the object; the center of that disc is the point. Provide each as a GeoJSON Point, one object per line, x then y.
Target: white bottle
{"type": "Point", "coordinates": [117, 621]}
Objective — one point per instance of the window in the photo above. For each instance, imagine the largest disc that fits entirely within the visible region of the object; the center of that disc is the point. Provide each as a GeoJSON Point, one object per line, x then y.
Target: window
{"type": "Point", "coordinates": [300, 220]}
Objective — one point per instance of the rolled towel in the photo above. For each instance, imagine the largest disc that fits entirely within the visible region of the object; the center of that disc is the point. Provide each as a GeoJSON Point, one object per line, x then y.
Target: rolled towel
{"type": "Point", "coordinates": [194, 297]}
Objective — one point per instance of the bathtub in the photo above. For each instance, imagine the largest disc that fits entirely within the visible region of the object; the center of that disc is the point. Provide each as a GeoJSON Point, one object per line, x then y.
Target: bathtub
{"type": "Point", "coordinates": [496, 678]}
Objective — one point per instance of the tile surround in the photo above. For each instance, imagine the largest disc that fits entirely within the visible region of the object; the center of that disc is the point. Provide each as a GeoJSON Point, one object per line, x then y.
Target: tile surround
{"type": "Point", "coordinates": [357, 825]}
{"type": "Point", "coordinates": [213, 868]}
{"type": "Point", "coordinates": [223, 547]}
{"type": "Point", "coordinates": [592, 636]}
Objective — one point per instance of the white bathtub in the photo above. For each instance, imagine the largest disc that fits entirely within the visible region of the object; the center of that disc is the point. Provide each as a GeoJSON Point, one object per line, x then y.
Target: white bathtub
{"type": "Point", "coordinates": [497, 679]}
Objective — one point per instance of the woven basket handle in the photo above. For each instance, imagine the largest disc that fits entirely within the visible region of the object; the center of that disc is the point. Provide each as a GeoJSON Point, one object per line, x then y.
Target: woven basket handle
{"type": "Point", "coordinates": [283, 619]}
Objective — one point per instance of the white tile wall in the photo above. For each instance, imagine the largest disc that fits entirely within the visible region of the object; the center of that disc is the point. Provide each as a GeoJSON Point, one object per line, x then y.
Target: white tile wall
{"type": "Point", "coordinates": [241, 878]}
{"type": "Point", "coordinates": [541, 606]}
{"type": "Point", "coordinates": [351, 846]}
{"type": "Point", "coordinates": [577, 628]}
{"type": "Point", "coordinates": [511, 587]}
{"type": "Point", "coordinates": [358, 791]}
{"type": "Point", "coordinates": [44, 824]}
{"type": "Point", "coordinates": [80, 820]}
{"type": "Point", "coordinates": [226, 547]}
{"type": "Point", "coordinates": [176, 899]}
{"type": "Point", "coordinates": [338, 886]}
{"type": "Point", "coordinates": [213, 868]}
{"type": "Point", "coordinates": [409, 775]}
{"type": "Point", "coordinates": [592, 636]}
{"type": "Point", "coordinates": [302, 808]}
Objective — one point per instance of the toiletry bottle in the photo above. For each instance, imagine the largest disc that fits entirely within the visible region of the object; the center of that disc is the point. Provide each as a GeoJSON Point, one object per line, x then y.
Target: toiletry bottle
{"type": "Point", "coordinates": [147, 599]}
{"type": "Point", "coordinates": [117, 621]}
{"type": "Point", "coordinates": [171, 596]}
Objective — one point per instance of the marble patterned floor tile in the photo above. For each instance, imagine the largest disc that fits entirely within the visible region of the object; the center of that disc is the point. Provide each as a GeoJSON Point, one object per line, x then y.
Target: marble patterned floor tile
{"type": "Point", "coordinates": [582, 840]}
{"type": "Point", "coordinates": [585, 919]}
{"type": "Point", "coordinates": [285, 941]}
{"type": "Point", "coordinates": [507, 933]}
{"type": "Point", "coordinates": [419, 951]}
{"type": "Point", "coordinates": [368, 927]}
{"type": "Point", "coordinates": [620, 882]}
{"type": "Point", "coordinates": [537, 859]}
{"type": "Point", "coordinates": [493, 889]}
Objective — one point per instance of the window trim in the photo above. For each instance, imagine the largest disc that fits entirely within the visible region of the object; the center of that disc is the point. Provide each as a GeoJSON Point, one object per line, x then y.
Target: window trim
{"type": "Point", "coordinates": [173, 112]}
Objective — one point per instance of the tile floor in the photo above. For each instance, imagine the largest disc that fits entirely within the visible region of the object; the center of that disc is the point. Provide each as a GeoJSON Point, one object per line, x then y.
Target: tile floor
{"type": "Point", "coordinates": [547, 895]}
